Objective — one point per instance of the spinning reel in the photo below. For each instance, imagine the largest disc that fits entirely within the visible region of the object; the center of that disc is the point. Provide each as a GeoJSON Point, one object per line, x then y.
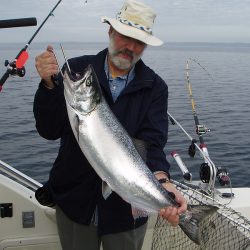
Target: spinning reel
{"type": "Point", "coordinates": [205, 174]}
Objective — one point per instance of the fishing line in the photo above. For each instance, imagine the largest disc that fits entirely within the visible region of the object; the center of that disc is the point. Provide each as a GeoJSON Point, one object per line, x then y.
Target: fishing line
{"type": "Point", "coordinates": [16, 67]}
{"type": "Point", "coordinates": [57, 61]}
{"type": "Point", "coordinates": [65, 58]}
{"type": "Point", "coordinates": [72, 73]}
{"type": "Point", "coordinates": [202, 67]}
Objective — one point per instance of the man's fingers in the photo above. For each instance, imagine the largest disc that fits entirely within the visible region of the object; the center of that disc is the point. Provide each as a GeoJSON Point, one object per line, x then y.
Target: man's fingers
{"type": "Point", "coordinates": [171, 215]}
{"type": "Point", "coordinates": [50, 48]}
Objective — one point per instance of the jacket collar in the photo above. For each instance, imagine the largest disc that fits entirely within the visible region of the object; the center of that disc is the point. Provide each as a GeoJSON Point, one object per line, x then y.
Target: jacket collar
{"type": "Point", "coordinates": [98, 65]}
{"type": "Point", "coordinates": [144, 76]}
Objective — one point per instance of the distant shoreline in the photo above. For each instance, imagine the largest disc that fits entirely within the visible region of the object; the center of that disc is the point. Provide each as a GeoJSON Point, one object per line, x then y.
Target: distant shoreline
{"type": "Point", "coordinates": [168, 46]}
{"type": "Point", "coordinates": [165, 43]}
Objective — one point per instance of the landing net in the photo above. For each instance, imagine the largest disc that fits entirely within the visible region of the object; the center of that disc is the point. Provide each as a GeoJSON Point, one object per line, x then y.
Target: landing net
{"type": "Point", "coordinates": [226, 229]}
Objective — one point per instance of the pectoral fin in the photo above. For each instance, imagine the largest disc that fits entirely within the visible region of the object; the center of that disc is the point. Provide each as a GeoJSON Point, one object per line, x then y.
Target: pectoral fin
{"type": "Point", "coordinates": [76, 127]}
{"type": "Point", "coordinates": [106, 190]}
{"type": "Point", "coordinates": [138, 213]}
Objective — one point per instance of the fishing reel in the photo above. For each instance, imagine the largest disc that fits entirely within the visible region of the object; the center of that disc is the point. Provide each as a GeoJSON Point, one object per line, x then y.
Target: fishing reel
{"type": "Point", "coordinates": [16, 67]}
{"type": "Point", "coordinates": [14, 70]}
{"type": "Point", "coordinates": [222, 174]}
{"type": "Point", "coordinates": [202, 129]}
{"type": "Point", "coordinates": [205, 172]}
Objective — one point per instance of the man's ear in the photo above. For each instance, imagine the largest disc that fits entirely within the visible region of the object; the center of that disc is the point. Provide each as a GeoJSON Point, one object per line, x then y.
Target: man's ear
{"type": "Point", "coordinates": [111, 29]}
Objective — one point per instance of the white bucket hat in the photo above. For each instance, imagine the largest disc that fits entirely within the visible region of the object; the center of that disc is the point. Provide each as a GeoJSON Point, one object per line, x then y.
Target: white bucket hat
{"type": "Point", "coordinates": [135, 20]}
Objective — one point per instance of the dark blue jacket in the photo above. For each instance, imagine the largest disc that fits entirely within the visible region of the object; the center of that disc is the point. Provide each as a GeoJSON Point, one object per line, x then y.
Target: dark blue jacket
{"type": "Point", "coordinates": [142, 110]}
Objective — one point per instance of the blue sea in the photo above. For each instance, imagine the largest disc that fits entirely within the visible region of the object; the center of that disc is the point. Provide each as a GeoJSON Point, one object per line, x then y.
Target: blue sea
{"type": "Point", "coordinates": [220, 79]}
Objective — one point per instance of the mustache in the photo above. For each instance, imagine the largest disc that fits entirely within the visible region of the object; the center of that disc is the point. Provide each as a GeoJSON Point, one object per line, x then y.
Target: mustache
{"type": "Point", "coordinates": [125, 51]}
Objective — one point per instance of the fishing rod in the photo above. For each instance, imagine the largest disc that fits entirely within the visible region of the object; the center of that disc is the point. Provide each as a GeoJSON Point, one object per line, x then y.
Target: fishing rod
{"type": "Point", "coordinates": [16, 67]}
{"type": "Point", "coordinates": [200, 129]}
{"type": "Point", "coordinates": [207, 168]}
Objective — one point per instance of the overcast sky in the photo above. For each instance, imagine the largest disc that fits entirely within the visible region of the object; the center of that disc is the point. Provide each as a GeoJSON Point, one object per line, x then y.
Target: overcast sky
{"type": "Point", "coordinates": [177, 20]}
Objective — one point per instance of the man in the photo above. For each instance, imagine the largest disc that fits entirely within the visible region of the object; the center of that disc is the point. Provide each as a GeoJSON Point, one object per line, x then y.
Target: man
{"type": "Point", "coordinates": [138, 98]}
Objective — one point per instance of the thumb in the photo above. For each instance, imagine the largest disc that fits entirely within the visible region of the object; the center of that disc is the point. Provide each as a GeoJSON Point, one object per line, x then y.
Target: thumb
{"type": "Point", "coordinates": [50, 48]}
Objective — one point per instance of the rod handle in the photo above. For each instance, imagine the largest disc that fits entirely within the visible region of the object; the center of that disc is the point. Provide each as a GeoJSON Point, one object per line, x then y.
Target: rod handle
{"type": "Point", "coordinates": [20, 22]}
{"type": "Point", "coordinates": [186, 174]}
{"type": "Point", "coordinates": [4, 78]}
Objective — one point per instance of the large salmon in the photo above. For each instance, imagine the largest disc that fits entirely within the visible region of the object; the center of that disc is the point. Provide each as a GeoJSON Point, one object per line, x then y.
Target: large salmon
{"type": "Point", "coordinates": [111, 152]}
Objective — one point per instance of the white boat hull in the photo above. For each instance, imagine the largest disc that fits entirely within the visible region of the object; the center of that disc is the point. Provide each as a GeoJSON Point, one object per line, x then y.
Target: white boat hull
{"type": "Point", "coordinates": [39, 232]}
{"type": "Point", "coordinates": [23, 233]}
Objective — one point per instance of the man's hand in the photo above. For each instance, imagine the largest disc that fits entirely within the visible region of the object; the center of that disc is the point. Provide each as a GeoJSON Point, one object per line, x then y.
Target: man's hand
{"type": "Point", "coordinates": [46, 66]}
{"type": "Point", "coordinates": [171, 213]}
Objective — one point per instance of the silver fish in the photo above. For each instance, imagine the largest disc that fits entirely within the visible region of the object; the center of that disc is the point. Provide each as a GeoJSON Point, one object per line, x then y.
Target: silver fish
{"type": "Point", "coordinates": [111, 152]}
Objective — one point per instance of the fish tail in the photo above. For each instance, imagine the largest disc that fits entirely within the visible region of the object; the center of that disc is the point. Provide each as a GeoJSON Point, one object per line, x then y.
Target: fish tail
{"type": "Point", "coordinates": [191, 221]}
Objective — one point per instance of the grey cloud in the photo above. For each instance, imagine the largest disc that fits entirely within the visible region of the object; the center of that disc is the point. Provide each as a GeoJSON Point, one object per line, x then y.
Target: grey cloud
{"type": "Point", "coordinates": [217, 20]}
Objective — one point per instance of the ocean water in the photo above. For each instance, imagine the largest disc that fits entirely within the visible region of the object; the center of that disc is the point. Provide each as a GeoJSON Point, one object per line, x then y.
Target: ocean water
{"type": "Point", "coordinates": [221, 89]}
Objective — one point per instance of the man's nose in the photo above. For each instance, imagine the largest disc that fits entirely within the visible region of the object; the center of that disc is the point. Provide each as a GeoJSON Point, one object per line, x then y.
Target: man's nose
{"type": "Point", "coordinates": [131, 45]}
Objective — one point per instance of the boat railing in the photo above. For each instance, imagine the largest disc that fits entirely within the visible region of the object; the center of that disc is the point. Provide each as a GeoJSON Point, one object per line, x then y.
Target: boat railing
{"type": "Point", "coordinates": [23, 179]}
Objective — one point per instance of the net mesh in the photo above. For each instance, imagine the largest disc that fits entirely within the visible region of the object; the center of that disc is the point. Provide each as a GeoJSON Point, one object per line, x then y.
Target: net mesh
{"type": "Point", "coordinates": [225, 229]}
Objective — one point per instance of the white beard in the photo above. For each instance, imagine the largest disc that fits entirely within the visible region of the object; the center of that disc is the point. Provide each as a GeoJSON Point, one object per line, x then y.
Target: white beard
{"type": "Point", "coordinates": [121, 63]}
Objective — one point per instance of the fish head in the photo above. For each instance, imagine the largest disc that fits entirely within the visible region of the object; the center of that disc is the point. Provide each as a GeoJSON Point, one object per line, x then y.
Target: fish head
{"type": "Point", "coordinates": [82, 91]}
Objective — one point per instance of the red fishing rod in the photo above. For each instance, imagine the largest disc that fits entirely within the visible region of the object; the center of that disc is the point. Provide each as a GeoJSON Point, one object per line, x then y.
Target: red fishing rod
{"type": "Point", "coordinates": [16, 67]}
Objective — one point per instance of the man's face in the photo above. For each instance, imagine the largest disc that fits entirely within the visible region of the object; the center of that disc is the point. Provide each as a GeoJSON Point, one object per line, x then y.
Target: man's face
{"type": "Point", "coordinates": [124, 51]}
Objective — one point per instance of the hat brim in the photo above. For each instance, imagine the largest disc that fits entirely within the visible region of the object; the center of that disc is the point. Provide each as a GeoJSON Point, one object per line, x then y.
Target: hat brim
{"type": "Point", "coordinates": [133, 32]}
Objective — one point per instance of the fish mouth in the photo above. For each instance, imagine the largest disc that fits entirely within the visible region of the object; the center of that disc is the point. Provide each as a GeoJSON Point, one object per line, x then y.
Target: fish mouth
{"type": "Point", "coordinates": [74, 77]}
{"type": "Point", "coordinates": [74, 80]}
{"type": "Point", "coordinates": [82, 90]}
